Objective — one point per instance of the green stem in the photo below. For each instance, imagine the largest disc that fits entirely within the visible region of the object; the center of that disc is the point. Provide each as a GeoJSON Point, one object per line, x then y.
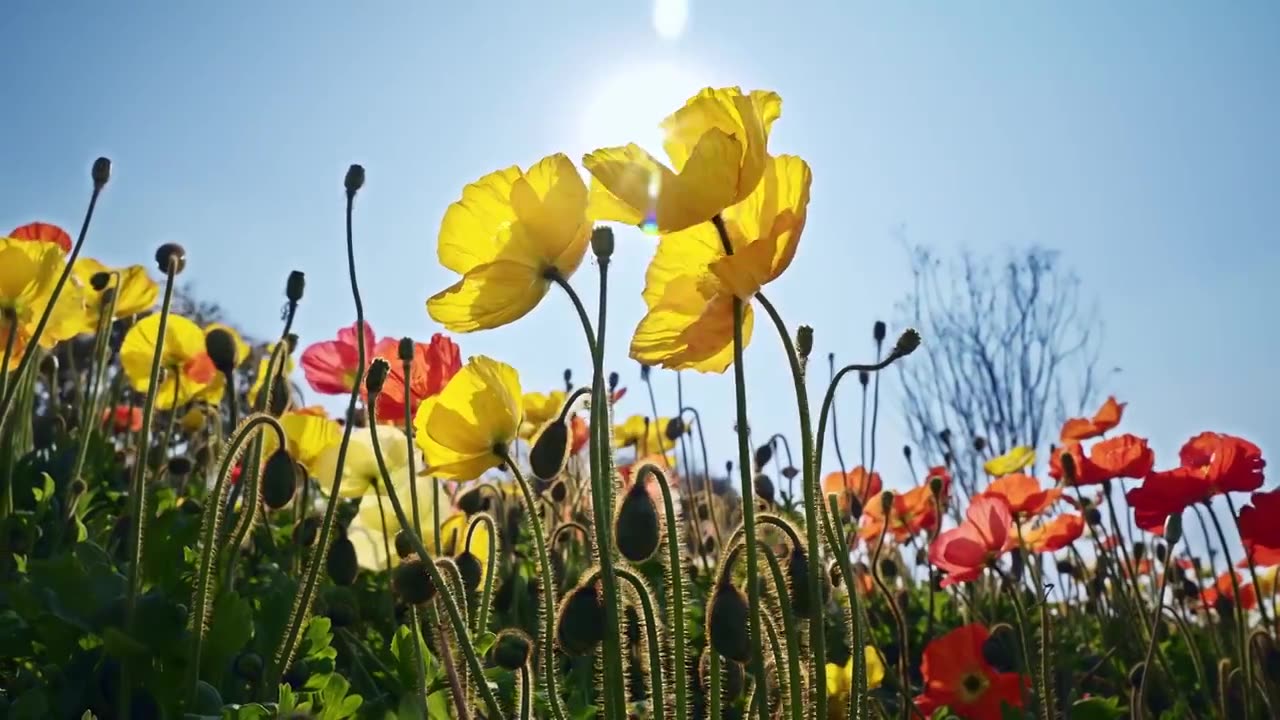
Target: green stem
{"type": "Point", "coordinates": [658, 693]}
{"type": "Point", "coordinates": [525, 693]}
{"type": "Point", "coordinates": [602, 493]}
{"type": "Point", "coordinates": [714, 691]}
{"type": "Point", "coordinates": [834, 531]}
{"type": "Point", "coordinates": [1024, 624]}
{"type": "Point", "coordinates": [417, 524]}
{"type": "Point", "coordinates": [904, 682]}
{"type": "Point", "coordinates": [812, 504]}
{"type": "Point", "coordinates": [437, 579]}
{"type": "Point", "coordinates": [1253, 569]}
{"type": "Point", "coordinates": [547, 585]}
{"type": "Point", "coordinates": [1242, 616]}
{"type": "Point", "coordinates": [386, 548]}
{"type": "Point", "coordinates": [1155, 624]}
{"type": "Point", "coordinates": [676, 597]}
{"type": "Point", "coordinates": [98, 377]}
{"type": "Point", "coordinates": [486, 594]}
{"type": "Point", "coordinates": [796, 685]}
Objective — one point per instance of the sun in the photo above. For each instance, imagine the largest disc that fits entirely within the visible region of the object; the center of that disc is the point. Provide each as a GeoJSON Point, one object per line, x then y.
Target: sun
{"type": "Point", "coordinates": [627, 103]}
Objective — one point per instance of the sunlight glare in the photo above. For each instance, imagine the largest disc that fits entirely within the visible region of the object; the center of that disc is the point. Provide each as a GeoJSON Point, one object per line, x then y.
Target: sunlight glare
{"type": "Point", "coordinates": [629, 103]}
{"type": "Point", "coordinates": [670, 17]}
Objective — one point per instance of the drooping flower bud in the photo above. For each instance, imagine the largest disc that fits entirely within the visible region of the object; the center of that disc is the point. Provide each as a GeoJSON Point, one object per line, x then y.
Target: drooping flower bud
{"type": "Point", "coordinates": [864, 378]}
{"type": "Point", "coordinates": [279, 479]}
{"type": "Point", "coordinates": [512, 649]}
{"type": "Point", "coordinates": [886, 502]}
{"type": "Point", "coordinates": [248, 666]}
{"type": "Point", "coordinates": [613, 382]}
{"type": "Point", "coordinates": [180, 466]}
{"type": "Point", "coordinates": [798, 578]}
{"type": "Point", "coordinates": [675, 428]}
{"type": "Point", "coordinates": [728, 622]}
{"type": "Point", "coordinates": [354, 179]}
{"type": "Point", "coordinates": [804, 342]}
{"type": "Point", "coordinates": [763, 455]}
{"type": "Point", "coordinates": [580, 621]}
{"type": "Point", "coordinates": [294, 287]}
{"type": "Point", "coordinates": [568, 379]}
{"type": "Point", "coordinates": [412, 583]}
{"type": "Point", "coordinates": [341, 563]}
{"type": "Point", "coordinates": [550, 450]}
{"type": "Point", "coordinates": [888, 569]}
{"type": "Point", "coordinates": [470, 570]}
{"type": "Point", "coordinates": [403, 544]}
{"type": "Point", "coordinates": [764, 488]}
{"type": "Point", "coordinates": [979, 443]}
{"type": "Point", "coordinates": [907, 343]}
{"type": "Point", "coordinates": [472, 501]}
{"type": "Point", "coordinates": [906, 452]}
{"type": "Point", "coordinates": [637, 527]}
{"type": "Point", "coordinates": [171, 255]}
{"type": "Point", "coordinates": [304, 535]}
{"type": "Point", "coordinates": [377, 375]}
{"type": "Point", "coordinates": [221, 348]}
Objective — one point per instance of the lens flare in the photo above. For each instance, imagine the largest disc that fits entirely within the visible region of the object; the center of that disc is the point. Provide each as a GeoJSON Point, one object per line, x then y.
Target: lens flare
{"type": "Point", "coordinates": [650, 223]}
{"type": "Point", "coordinates": [670, 18]}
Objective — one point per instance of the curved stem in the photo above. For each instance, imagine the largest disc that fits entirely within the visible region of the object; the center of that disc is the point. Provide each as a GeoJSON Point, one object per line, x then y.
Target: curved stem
{"type": "Point", "coordinates": [831, 526]}
{"type": "Point", "coordinates": [548, 585]}
{"type": "Point", "coordinates": [796, 685]}
{"type": "Point", "coordinates": [835, 422]}
{"type": "Point", "coordinates": [1151, 645]}
{"type": "Point", "coordinates": [812, 503]}
{"type": "Point", "coordinates": [904, 679]}
{"type": "Point", "coordinates": [1015, 593]}
{"type": "Point", "coordinates": [486, 595]}
{"type": "Point", "coordinates": [1253, 568]}
{"type": "Point", "coordinates": [602, 492]}
{"type": "Point", "coordinates": [676, 597]}
{"type": "Point", "coordinates": [706, 481]}
{"type": "Point", "coordinates": [414, 617]}
{"type": "Point", "coordinates": [525, 693]}
{"type": "Point", "coordinates": [437, 579]}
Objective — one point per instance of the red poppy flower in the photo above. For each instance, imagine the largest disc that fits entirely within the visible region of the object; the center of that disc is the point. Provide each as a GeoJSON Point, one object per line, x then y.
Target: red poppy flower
{"type": "Point", "coordinates": [1258, 525]}
{"type": "Point", "coordinates": [1224, 587]}
{"type": "Point", "coordinates": [1212, 464]}
{"type": "Point", "coordinates": [944, 475]}
{"type": "Point", "coordinates": [1023, 494]}
{"type": "Point", "coordinates": [958, 676]}
{"type": "Point", "coordinates": [434, 364]}
{"type": "Point", "coordinates": [1107, 417]}
{"type": "Point", "coordinates": [855, 483]}
{"type": "Point", "coordinates": [330, 366]}
{"type": "Point", "coordinates": [912, 512]}
{"type": "Point", "coordinates": [964, 552]}
{"type": "Point", "coordinates": [43, 232]}
{"type": "Point", "coordinates": [1054, 535]}
{"type": "Point", "coordinates": [1262, 556]}
{"type": "Point", "coordinates": [617, 395]}
{"type": "Point", "coordinates": [579, 432]}
{"type": "Point", "coordinates": [123, 418]}
{"type": "Point", "coordinates": [1123, 456]}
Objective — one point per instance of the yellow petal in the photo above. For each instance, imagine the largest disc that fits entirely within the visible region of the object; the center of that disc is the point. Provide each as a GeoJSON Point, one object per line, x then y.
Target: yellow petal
{"type": "Point", "coordinates": [689, 331]}
{"type": "Point", "coordinates": [550, 201]}
{"type": "Point", "coordinates": [875, 667]}
{"type": "Point", "coordinates": [635, 186]}
{"type": "Point", "coordinates": [1010, 462]}
{"type": "Point", "coordinates": [488, 296]}
{"type": "Point", "coordinates": [469, 233]}
{"type": "Point", "coordinates": [183, 341]}
{"type": "Point", "coordinates": [765, 228]}
{"type": "Point", "coordinates": [680, 255]}
{"type": "Point", "coordinates": [477, 411]}
{"type": "Point", "coordinates": [744, 119]}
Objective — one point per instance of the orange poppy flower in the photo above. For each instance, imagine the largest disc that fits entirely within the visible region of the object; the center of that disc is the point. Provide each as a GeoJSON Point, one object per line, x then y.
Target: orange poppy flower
{"type": "Point", "coordinates": [958, 676]}
{"type": "Point", "coordinates": [1054, 535]}
{"type": "Point", "coordinates": [43, 232]}
{"type": "Point", "coordinates": [1212, 464]}
{"type": "Point", "coordinates": [855, 483]}
{"type": "Point", "coordinates": [123, 418]}
{"type": "Point", "coordinates": [912, 512]}
{"type": "Point", "coordinates": [1023, 493]}
{"type": "Point", "coordinates": [1258, 526]}
{"type": "Point", "coordinates": [965, 551]}
{"type": "Point", "coordinates": [1107, 417]}
{"type": "Point", "coordinates": [944, 475]}
{"type": "Point", "coordinates": [330, 366]}
{"type": "Point", "coordinates": [579, 432]}
{"type": "Point", "coordinates": [1224, 587]}
{"type": "Point", "coordinates": [1123, 456]}
{"type": "Point", "coordinates": [434, 364]}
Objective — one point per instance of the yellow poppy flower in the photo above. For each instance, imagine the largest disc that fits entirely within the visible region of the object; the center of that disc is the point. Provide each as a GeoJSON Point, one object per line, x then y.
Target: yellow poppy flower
{"type": "Point", "coordinates": [477, 412]}
{"type": "Point", "coordinates": [691, 283]}
{"type": "Point", "coordinates": [510, 230]}
{"type": "Point", "coordinates": [308, 433]}
{"type": "Point", "coordinates": [538, 409]}
{"type": "Point", "coordinates": [717, 145]}
{"type": "Point", "coordinates": [186, 370]}
{"type": "Point", "coordinates": [135, 291]}
{"type": "Point", "coordinates": [360, 469]}
{"type": "Point", "coordinates": [29, 271]}
{"type": "Point", "coordinates": [840, 681]}
{"type": "Point", "coordinates": [260, 378]}
{"type": "Point", "coordinates": [193, 420]}
{"type": "Point", "coordinates": [376, 515]}
{"type": "Point", "coordinates": [214, 392]}
{"type": "Point", "coordinates": [644, 434]}
{"type": "Point", "coordinates": [1011, 462]}
{"type": "Point", "coordinates": [1267, 581]}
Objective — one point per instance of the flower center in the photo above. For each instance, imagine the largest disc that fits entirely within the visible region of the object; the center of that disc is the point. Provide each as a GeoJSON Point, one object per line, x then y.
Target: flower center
{"type": "Point", "coordinates": [972, 686]}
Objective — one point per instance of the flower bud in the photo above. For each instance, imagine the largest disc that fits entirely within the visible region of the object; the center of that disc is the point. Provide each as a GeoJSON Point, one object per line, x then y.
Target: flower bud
{"type": "Point", "coordinates": [1068, 462]}
{"type": "Point", "coordinates": [1162, 552]}
{"type": "Point", "coordinates": [550, 450]}
{"type": "Point", "coordinates": [999, 649]}
{"type": "Point", "coordinates": [907, 343]}
{"type": "Point", "coordinates": [855, 504]}
{"type": "Point", "coordinates": [221, 348]}
{"type": "Point", "coordinates": [512, 649]}
{"type": "Point", "coordinates": [1173, 529]}
{"type": "Point", "coordinates": [377, 375]}
{"type": "Point", "coordinates": [798, 578]}
{"type": "Point", "coordinates": [472, 501]}
{"type": "Point", "coordinates": [727, 622]}
{"type": "Point", "coordinates": [864, 378]}
{"type": "Point", "coordinates": [279, 479]}
{"type": "Point", "coordinates": [764, 488]}
{"type": "Point", "coordinates": [1065, 567]}
{"type": "Point", "coordinates": [979, 443]}
{"type": "Point", "coordinates": [675, 428]}
{"type": "Point", "coordinates": [100, 280]}
{"type": "Point", "coordinates": [354, 179]}
{"type": "Point", "coordinates": [906, 452]}
{"type": "Point", "coordinates": [790, 472]}
{"type": "Point", "coordinates": [295, 285]}
{"type": "Point", "coordinates": [886, 502]}
{"type": "Point", "coordinates": [101, 172]}
{"type": "Point", "coordinates": [935, 485]}
{"type": "Point", "coordinates": [306, 532]}
{"type": "Point", "coordinates": [1093, 516]}
{"type": "Point", "coordinates": [171, 256]}
{"type": "Point", "coordinates": [470, 570]}
{"type": "Point", "coordinates": [944, 437]}
{"type": "Point", "coordinates": [636, 526]}
{"type": "Point", "coordinates": [878, 331]}
{"type": "Point", "coordinates": [559, 491]}
{"type": "Point", "coordinates": [1139, 550]}
{"type": "Point", "coordinates": [602, 241]}
{"type": "Point", "coordinates": [763, 455]}
{"type": "Point", "coordinates": [403, 544]}
{"type": "Point", "coordinates": [341, 562]}
{"type": "Point", "coordinates": [613, 382]}
{"type": "Point", "coordinates": [580, 621]}
{"type": "Point", "coordinates": [804, 341]}
{"type": "Point", "coordinates": [180, 466]}
{"type": "Point", "coordinates": [888, 569]}
{"type": "Point", "coordinates": [412, 583]}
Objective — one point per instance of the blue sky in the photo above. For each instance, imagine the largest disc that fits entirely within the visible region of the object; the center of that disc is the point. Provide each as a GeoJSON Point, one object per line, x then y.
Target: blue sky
{"type": "Point", "coordinates": [1138, 138]}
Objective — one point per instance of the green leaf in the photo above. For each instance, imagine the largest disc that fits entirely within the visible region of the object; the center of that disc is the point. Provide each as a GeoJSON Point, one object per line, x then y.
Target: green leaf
{"type": "Point", "coordinates": [230, 628]}
{"type": "Point", "coordinates": [1097, 708]}
{"type": "Point", "coordinates": [43, 492]}
{"type": "Point", "coordinates": [120, 645]}
{"type": "Point", "coordinates": [252, 711]}
{"type": "Point", "coordinates": [484, 642]}
{"type": "Point", "coordinates": [403, 650]}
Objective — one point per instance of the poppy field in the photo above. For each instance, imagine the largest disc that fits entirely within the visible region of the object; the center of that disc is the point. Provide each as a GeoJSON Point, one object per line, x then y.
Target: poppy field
{"type": "Point", "coordinates": [186, 531]}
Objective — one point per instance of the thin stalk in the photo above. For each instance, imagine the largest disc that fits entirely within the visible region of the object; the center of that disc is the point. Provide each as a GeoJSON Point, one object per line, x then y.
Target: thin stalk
{"type": "Point", "coordinates": [137, 488]}
{"type": "Point", "coordinates": [451, 670]}
{"type": "Point", "coordinates": [676, 596]}
{"type": "Point", "coordinates": [98, 376]}
{"type": "Point", "coordinates": [812, 502]}
{"type": "Point", "coordinates": [525, 693]}
{"type": "Point", "coordinates": [835, 424]}
{"type": "Point", "coordinates": [386, 549]}
{"type": "Point", "coordinates": [414, 616]}
{"type": "Point", "coordinates": [1253, 569]}
{"type": "Point", "coordinates": [706, 480]}
{"type": "Point", "coordinates": [857, 632]}
{"type": "Point", "coordinates": [456, 618]}
{"type": "Point", "coordinates": [1024, 624]}
{"type": "Point", "coordinates": [904, 683]}
{"type": "Point", "coordinates": [602, 492]}
{"type": "Point", "coordinates": [875, 414]}
{"type": "Point", "coordinates": [796, 685]}
{"type": "Point", "coordinates": [714, 690]}
{"type": "Point", "coordinates": [658, 694]}
{"type": "Point", "coordinates": [1151, 645]}
{"type": "Point", "coordinates": [481, 623]}
{"type": "Point", "coordinates": [1242, 616]}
